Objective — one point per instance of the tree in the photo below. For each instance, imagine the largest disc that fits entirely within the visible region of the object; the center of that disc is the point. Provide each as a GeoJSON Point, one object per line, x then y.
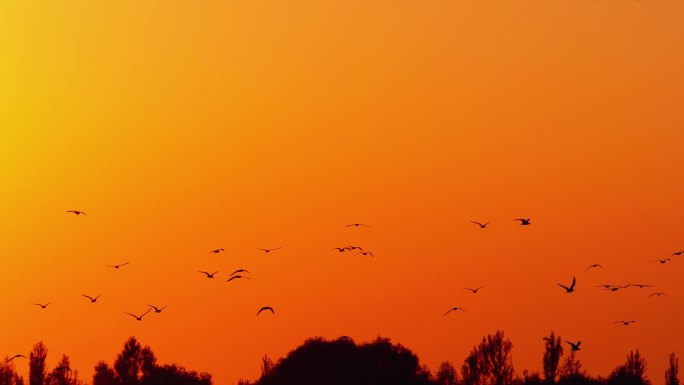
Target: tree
{"type": "Point", "coordinates": [8, 374]}
{"type": "Point", "coordinates": [633, 372]}
{"type": "Point", "coordinates": [174, 375]}
{"type": "Point", "coordinates": [37, 370]}
{"type": "Point", "coordinates": [490, 363]}
{"type": "Point", "coordinates": [672, 371]}
{"type": "Point", "coordinates": [62, 374]}
{"type": "Point", "coordinates": [266, 366]}
{"type": "Point", "coordinates": [104, 375]}
{"type": "Point", "coordinates": [571, 367]}
{"type": "Point", "coordinates": [133, 362]}
{"type": "Point", "coordinates": [553, 350]}
{"type": "Point", "coordinates": [446, 374]}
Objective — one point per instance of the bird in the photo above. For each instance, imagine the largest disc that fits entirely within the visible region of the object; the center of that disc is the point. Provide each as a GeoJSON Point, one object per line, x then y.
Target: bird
{"type": "Point", "coordinates": [594, 265]}
{"type": "Point", "coordinates": [639, 285]}
{"type": "Point", "coordinates": [342, 249]}
{"type": "Point", "coordinates": [571, 288]}
{"type": "Point", "coordinates": [266, 308]}
{"type": "Point", "coordinates": [76, 212]}
{"type": "Point", "coordinates": [523, 221]}
{"type": "Point", "coordinates": [482, 225]}
{"type": "Point", "coordinates": [139, 318]}
{"type": "Point", "coordinates": [352, 248]}
{"type": "Point", "coordinates": [157, 309]}
{"type": "Point", "coordinates": [119, 265]}
{"type": "Point", "coordinates": [663, 260]}
{"type": "Point", "coordinates": [624, 322]}
{"type": "Point", "coordinates": [15, 356]}
{"type": "Point", "coordinates": [269, 250]}
{"type": "Point", "coordinates": [208, 275]}
{"type": "Point", "coordinates": [92, 300]}
{"type": "Point", "coordinates": [365, 253]}
{"type": "Point", "coordinates": [454, 309]}
{"type": "Point", "coordinates": [237, 277]}
{"type": "Point", "coordinates": [41, 305]}
{"type": "Point", "coordinates": [615, 288]}
{"type": "Point", "coordinates": [216, 251]}
{"type": "Point", "coordinates": [474, 290]}
{"type": "Point", "coordinates": [658, 294]}
{"type": "Point", "coordinates": [680, 252]}
{"type": "Point", "coordinates": [356, 225]}
{"type": "Point", "coordinates": [574, 347]}
{"type": "Point", "coordinates": [239, 271]}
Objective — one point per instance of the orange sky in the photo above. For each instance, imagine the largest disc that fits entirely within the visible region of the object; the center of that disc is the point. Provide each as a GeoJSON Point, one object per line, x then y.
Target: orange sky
{"type": "Point", "coordinates": [182, 127]}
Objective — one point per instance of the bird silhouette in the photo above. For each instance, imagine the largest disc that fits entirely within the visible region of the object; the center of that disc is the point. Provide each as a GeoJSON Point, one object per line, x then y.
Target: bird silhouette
{"type": "Point", "coordinates": [119, 265]}
{"type": "Point", "coordinates": [593, 266]}
{"type": "Point", "coordinates": [157, 309]}
{"type": "Point", "coordinates": [209, 275]}
{"type": "Point", "coordinates": [352, 248]}
{"type": "Point", "coordinates": [240, 271]}
{"type": "Point", "coordinates": [15, 356]}
{"type": "Point", "coordinates": [216, 251]}
{"type": "Point", "coordinates": [624, 322]}
{"type": "Point", "coordinates": [523, 221]}
{"type": "Point", "coordinates": [41, 305]}
{"type": "Point", "coordinates": [266, 308]}
{"type": "Point", "coordinates": [574, 347]}
{"type": "Point", "coordinates": [658, 294]}
{"type": "Point", "coordinates": [76, 212]}
{"type": "Point", "coordinates": [237, 277]}
{"type": "Point", "coordinates": [92, 300]}
{"type": "Point", "coordinates": [269, 250]}
{"type": "Point", "coordinates": [454, 309]}
{"type": "Point", "coordinates": [356, 225]}
{"type": "Point", "coordinates": [663, 260]}
{"type": "Point", "coordinates": [139, 318]}
{"type": "Point", "coordinates": [474, 290]}
{"type": "Point", "coordinates": [571, 288]}
{"type": "Point", "coordinates": [482, 225]}
{"type": "Point", "coordinates": [639, 285]}
{"type": "Point", "coordinates": [680, 252]}
{"type": "Point", "coordinates": [342, 249]}
{"type": "Point", "coordinates": [365, 253]}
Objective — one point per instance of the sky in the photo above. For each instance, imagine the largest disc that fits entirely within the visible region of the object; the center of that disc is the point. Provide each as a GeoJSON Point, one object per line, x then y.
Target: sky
{"type": "Point", "coordinates": [182, 127]}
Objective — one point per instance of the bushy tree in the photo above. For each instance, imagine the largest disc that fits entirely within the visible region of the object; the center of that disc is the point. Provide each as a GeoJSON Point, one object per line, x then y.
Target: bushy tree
{"type": "Point", "coordinates": [8, 374]}
{"type": "Point", "coordinates": [633, 372]}
{"type": "Point", "coordinates": [489, 363]}
{"type": "Point", "coordinates": [133, 362]}
{"type": "Point", "coordinates": [671, 374]}
{"type": "Point", "coordinates": [446, 374]}
{"type": "Point", "coordinates": [553, 350]}
{"type": "Point", "coordinates": [62, 374]}
{"type": "Point", "coordinates": [37, 370]}
{"type": "Point", "coordinates": [104, 375]}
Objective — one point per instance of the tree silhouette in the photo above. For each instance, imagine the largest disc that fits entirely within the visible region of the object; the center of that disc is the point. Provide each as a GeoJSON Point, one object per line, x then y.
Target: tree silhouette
{"type": "Point", "coordinates": [553, 350]}
{"type": "Point", "coordinates": [104, 375]}
{"type": "Point", "coordinates": [8, 374]}
{"type": "Point", "coordinates": [133, 362]}
{"type": "Point", "coordinates": [571, 368]}
{"type": "Point", "coordinates": [62, 374]}
{"type": "Point", "coordinates": [446, 374]}
{"type": "Point", "coordinates": [633, 372]}
{"type": "Point", "coordinates": [490, 362]}
{"type": "Point", "coordinates": [37, 370]}
{"type": "Point", "coordinates": [174, 375]}
{"type": "Point", "coordinates": [672, 371]}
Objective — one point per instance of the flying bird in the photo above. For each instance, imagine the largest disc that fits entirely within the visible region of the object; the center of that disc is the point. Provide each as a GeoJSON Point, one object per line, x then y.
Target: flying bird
{"type": "Point", "coordinates": [15, 356]}
{"type": "Point", "coordinates": [663, 260]}
{"type": "Point", "coordinates": [266, 308]}
{"type": "Point", "coordinates": [365, 253]}
{"type": "Point", "coordinates": [237, 277]}
{"type": "Point", "coordinates": [41, 305]}
{"type": "Point", "coordinates": [624, 322]}
{"type": "Point", "coordinates": [594, 265]}
{"type": "Point", "coordinates": [474, 290]}
{"type": "Point", "coordinates": [208, 274]}
{"type": "Point", "coordinates": [119, 265]}
{"type": "Point", "coordinates": [76, 212]}
{"type": "Point", "coordinates": [523, 221]}
{"type": "Point", "coordinates": [342, 249]}
{"type": "Point", "coordinates": [269, 250]}
{"type": "Point", "coordinates": [239, 271]}
{"type": "Point", "coordinates": [139, 318]}
{"type": "Point", "coordinates": [658, 294]}
{"type": "Point", "coordinates": [356, 225]}
{"type": "Point", "coordinates": [639, 285]}
{"type": "Point", "coordinates": [216, 251]}
{"type": "Point", "coordinates": [678, 252]}
{"type": "Point", "coordinates": [571, 288]}
{"type": "Point", "coordinates": [92, 300]}
{"type": "Point", "coordinates": [482, 225]}
{"type": "Point", "coordinates": [454, 309]}
{"type": "Point", "coordinates": [574, 347]}
{"type": "Point", "coordinates": [352, 248]}
{"type": "Point", "coordinates": [156, 309]}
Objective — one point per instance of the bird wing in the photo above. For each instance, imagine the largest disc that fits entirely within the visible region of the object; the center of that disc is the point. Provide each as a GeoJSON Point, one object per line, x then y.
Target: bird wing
{"type": "Point", "coordinates": [572, 286]}
{"type": "Point", "coordinates": [477, 223]}
{"type": "Point", "coordinates": [564, 287]}
{"type": "Point", "coordinates": [132, 315]}
{"type": "Point", "coordinates": [87, 296]}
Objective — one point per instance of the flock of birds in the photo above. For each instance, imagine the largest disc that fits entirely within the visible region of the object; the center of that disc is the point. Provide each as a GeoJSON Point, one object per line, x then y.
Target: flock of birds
{"type": "Point", "coordinates": [242, 274]}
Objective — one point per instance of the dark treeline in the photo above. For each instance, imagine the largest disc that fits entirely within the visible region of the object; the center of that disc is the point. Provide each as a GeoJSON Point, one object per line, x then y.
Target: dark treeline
{"type": "Point", "coordinates": [343, 362]}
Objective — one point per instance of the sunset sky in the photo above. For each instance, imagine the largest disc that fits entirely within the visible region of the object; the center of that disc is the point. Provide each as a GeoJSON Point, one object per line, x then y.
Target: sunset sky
{"type": "Point", "coordinates": [181, 127]}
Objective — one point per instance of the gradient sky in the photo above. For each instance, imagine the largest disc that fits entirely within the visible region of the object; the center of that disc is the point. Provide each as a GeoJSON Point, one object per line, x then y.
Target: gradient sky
{"type": "Point", "coordinates": [181, 127]}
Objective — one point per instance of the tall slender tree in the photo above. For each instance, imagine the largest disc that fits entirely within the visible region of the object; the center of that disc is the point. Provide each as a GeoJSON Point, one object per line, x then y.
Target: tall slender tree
{"type": "Point", "coordinates": [553, 350]}
{"type": "Point", "coordinates": [672, 372]}
{"type": "Point", "coordinates": [37, 369]}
